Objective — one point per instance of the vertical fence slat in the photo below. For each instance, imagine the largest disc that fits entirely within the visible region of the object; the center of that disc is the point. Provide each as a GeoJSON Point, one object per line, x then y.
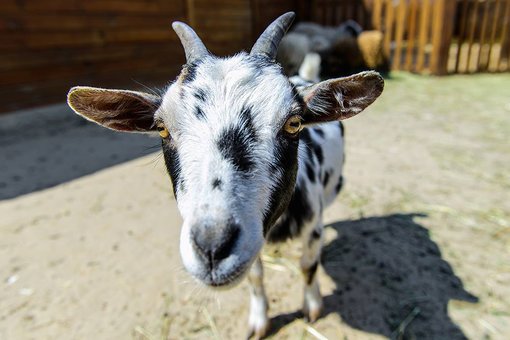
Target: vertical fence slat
{"type": "Point", "coordinates": [505, 41]}
{"type": "Point", "coordinates": [423, 34]}
{"type": "Point", "coordinates": [399, 34]}
{"type": "Point", "coordinates": [483, 33]}
{"type": "Point", "coordinates": [388, 34]}
{"type": "Point", "coordinates": [377, 14]}
{"type": "Point", "coordinates": [493, 31]}
{"type": "Point", "coordinates": [462, 33]}
{"type": "Point", "coordinates": [411, 34]}
{"type": "Point", "coordinates": [473, 22]}
{"type": "Point", "coordinates": [442, 29]}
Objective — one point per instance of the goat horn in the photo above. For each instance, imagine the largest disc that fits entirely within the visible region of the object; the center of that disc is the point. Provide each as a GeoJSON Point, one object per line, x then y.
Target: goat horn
{"type": "Point", "coordinates": [194, 48]}
{"type": "Point", "coordinates": [269, 41]}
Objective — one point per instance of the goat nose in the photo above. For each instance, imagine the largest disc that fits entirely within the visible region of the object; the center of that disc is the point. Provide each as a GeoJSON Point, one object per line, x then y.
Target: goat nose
{"type": "Point", "coordinates": [214, 243]}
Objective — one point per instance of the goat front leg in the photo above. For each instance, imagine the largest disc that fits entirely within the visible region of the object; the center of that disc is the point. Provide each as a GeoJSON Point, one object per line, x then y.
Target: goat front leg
{"type": "Point", "coordinates": [312, 246]}
{"type": "Point", "coordinates": [258, 320]}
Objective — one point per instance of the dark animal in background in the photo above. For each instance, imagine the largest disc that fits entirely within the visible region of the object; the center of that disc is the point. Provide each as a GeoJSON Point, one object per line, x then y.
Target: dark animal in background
{"type": "Point", "coordinates": [344, 49]}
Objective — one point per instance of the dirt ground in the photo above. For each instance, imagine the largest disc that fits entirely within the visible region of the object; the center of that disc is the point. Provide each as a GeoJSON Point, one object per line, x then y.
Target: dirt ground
{"type": "Point", "coordinates": [418, 242]}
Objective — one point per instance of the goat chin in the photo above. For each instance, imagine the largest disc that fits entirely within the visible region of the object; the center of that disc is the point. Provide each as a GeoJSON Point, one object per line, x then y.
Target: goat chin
{"type": "Point", "coordinates": [231, 282]}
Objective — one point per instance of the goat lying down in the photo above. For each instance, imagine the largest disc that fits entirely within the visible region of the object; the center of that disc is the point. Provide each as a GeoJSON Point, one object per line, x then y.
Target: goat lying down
{"type": "Point", "coordinates": [252, 156]}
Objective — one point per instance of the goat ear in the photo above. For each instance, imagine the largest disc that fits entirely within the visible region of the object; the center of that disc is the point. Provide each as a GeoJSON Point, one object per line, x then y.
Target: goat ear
{"type": "Point", "coordinates": [119, 110]}
{"type": "Point", "coordinates": [341, 98]}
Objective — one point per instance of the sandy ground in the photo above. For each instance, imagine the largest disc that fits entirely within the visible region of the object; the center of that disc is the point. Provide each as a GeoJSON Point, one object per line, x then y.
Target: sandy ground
{"type": "Point", "coordinates": [418, 243]}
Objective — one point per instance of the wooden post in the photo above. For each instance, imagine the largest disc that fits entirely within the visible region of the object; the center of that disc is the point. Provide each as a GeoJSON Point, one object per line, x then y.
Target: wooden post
{"type": "Point", "coordinates": [411, 35]}
{"type": "Point", "coordinates": [423, 35]}
{"type": "Point", "coordinates": [505, 39]}
{"type": "Point", "coordinates": [399, 35]}
{"type": "Point", "coordinates": [442, 29]}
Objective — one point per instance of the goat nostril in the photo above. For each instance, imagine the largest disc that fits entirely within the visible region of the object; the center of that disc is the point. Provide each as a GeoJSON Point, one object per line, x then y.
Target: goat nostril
{"type": "Point", "coordinates": [214, 244]}
{"type": "Point", "coordinates": [225, 248]}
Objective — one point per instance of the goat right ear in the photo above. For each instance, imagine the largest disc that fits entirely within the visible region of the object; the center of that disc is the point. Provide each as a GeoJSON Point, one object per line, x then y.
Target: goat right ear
{"type": "Point", "coordinates": [341, 98]}
{"type": "Point", "coordinates": [119, 110]}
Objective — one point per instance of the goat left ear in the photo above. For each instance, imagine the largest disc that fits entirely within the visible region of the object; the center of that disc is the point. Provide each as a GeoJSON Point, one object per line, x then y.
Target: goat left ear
{"type": "Point", "coordinates": [341, 98]}
{"type": "Point", "coordinates": [120, 110]}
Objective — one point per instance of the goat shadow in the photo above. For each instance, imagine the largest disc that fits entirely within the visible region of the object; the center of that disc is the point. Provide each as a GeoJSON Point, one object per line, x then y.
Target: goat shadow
{"type": "Point", "coordinates": [387, 270]}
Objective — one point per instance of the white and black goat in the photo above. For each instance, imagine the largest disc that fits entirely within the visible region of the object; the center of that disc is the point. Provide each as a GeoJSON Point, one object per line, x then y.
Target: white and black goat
{"type": "Point", "coordinates": [245, 163]}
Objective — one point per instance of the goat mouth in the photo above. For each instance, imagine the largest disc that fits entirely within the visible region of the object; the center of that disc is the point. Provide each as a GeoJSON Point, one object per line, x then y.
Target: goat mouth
{"type": "Point", "coordinates": [218, 279]}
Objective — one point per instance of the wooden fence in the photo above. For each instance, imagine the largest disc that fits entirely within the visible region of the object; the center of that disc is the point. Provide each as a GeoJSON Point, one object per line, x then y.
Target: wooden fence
{"type": "Point", "coordinates": [428, 36]}
{"type": "Point", "coordinates": [423, 36]}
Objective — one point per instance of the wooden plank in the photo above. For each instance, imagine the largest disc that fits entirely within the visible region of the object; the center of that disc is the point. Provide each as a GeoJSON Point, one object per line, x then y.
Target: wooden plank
{"type": "Point", "coordinates": [52, 22]}
{"type": "Point", "coordinates": [495, 20]}
{"type": "Point", "coordinates": [462, 33]}
{"type": "Point", "coordinates": [44, 40]}
{"type": "Point", "coordinates": [411, 36]}
{"type": "Point", "coordinates": [101, 6]}
{"type": "Point", "coordinates": [473, 22]}
{"type": "Point", "coordinates": [146, 60]}
{"type": "Point", "coordinates": [505, 40]}
{"type": "Point", "coordinates": [442, 29]}
{"type": "Point", "coordinates": [51, 57]}
{"type": "Point", "coordinates": [399, 34]}
{"type": "Point", "coordinates": [479, 65]}
{"type": "Point", "coordinates": [56, 91]}
{"type": "Point", "coordinates": [388, 27]}
{"type": "Point", "coordinates": [423, 34]}
{"type": "Point", "coordinates": [377, 14]}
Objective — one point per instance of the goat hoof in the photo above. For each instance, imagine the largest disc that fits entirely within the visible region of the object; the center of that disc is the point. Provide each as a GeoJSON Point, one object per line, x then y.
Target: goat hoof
{"type": "Point", "coordinates": [258, 331]}
{"type": "Point", "coordinates": [313, 314]}
{"type": "Point", "coordinates": [312, 311]}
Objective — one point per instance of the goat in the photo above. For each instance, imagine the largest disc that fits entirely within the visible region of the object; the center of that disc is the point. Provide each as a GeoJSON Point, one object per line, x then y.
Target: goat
{"type": "Point", "coordinates": [245, 162]}
{"type": "Point", "coordinates": [309, 37]}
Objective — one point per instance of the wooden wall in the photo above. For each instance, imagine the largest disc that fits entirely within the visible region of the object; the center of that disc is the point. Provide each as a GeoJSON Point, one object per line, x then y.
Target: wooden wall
{"type": "Point", "coordinates": [47, 46]}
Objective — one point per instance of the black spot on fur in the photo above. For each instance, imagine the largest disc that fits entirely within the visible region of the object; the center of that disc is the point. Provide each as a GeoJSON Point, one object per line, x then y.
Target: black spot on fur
{"type": "Point", "coordinates": [285, 155]}
{"type": "Point", "coordinates": [261, 61]}
{"type": "Point", "coordinates": [298, 212]}
{"type": "Point", "coordinates": [200, 95]}
{"type": "Point", "coordinates": [310, 173]}
{"type": "Point", "coordinates": [236, 142]}
{"type": "Point", "coordinates": [340, 184]}
{"type": "Point", "coordinates": [319, 132]}
{"type": "Point", "coordinates": [342, 130]}
{"type": "Point", "coordinates": [310, 273]}
{"type": "Point", "coordinates": [199, 113]}
{"type": "Point", "coordinates": [309, 153]}
{"type": "Point", "coordinates": [314, 236]}
{"type": "Point", "coordinates": [318, 152]}
{"type": "Point", "coordinates": [173, 165]}
{"type": "Point", "coordinates": [325, 180]}
{"type": "Point", "coordinates": [217, 183]}
{"type": "Point", "coordinates": [305, 137]}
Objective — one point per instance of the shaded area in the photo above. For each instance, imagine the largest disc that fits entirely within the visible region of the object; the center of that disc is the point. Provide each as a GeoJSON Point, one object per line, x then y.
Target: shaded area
{"type": "Point", "coordinates": [388, 272]}
{"type": "Point", "coordinates": [51, 145]}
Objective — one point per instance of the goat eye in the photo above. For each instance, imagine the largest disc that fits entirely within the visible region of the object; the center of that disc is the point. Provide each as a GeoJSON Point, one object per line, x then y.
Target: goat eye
{"type": "Point", "coordinates": [163, 132]}
{"type": "Point", "coordinates": [293, 125]}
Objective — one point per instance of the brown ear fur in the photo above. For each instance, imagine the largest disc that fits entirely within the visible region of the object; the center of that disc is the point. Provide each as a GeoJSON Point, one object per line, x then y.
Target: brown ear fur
{"type": "Point", "coordinates": [119, 110]}
{"type": "Point", "coordinates": [341, 98]}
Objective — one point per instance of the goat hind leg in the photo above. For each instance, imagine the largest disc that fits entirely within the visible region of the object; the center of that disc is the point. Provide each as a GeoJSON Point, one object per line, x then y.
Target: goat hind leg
{"type": "Point", "coordinates": [258, 320]}
{"type": "Point", "coordinates": [312, 246]}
